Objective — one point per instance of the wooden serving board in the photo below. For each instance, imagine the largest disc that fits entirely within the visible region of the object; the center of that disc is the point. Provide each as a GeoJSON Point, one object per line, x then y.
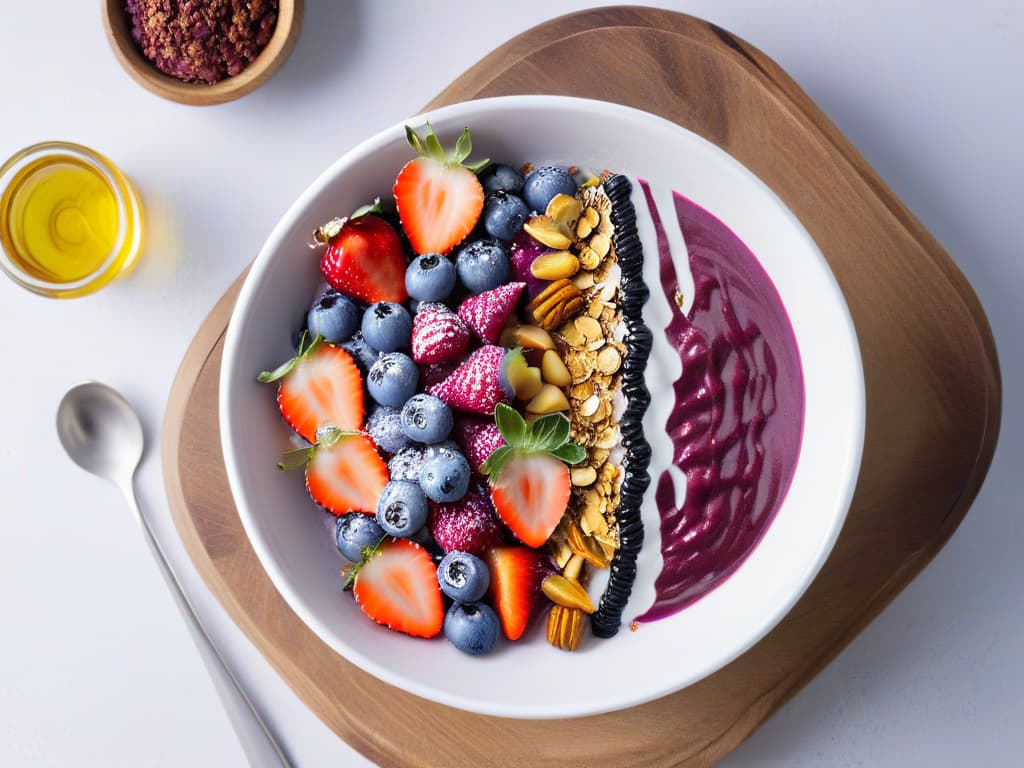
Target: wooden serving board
{"type": "Point", "coordinates": [933, 409]}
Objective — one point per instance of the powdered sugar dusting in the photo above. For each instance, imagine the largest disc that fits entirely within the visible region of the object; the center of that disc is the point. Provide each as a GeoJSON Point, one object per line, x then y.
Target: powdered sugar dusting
{"type": "Point", "coordinates": [438, 334]}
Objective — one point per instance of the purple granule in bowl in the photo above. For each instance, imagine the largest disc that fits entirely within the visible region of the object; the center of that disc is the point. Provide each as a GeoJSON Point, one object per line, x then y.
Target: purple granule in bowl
{"type": "Point", "coordinates": [202, 41]}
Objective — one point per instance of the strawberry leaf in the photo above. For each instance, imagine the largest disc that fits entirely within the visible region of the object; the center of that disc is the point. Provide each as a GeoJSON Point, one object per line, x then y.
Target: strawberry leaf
{"type": "Point", "coordinates": [478, 166]}
{"type": "Point", "coordinates": [463, 147]}
{"type": "Point", "coordinates": [497, 460]}
{"type": "Point", "coordinates": [286, 367]}
{"type": "Point", "coordinates": [548, 433]}
{"type": "Point", "coordinates": [415, 141]}
{"type": "Point", "coordinates": [296, 458]}
{"type": "Point", "coordinates": [434, 149]}
{"type": "Point", "coordinates": [511, 425]}
{"type": "Point", "coordinates": [570, 453]}
{"type": "Point", "coordinates": [368, 553]}
{"type": "Point", "coordinates": [363, 210]}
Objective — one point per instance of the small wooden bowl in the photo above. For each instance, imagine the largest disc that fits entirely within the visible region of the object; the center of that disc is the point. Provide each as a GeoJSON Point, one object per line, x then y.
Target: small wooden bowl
{"type": "Point", "coordinates": [145, 73]}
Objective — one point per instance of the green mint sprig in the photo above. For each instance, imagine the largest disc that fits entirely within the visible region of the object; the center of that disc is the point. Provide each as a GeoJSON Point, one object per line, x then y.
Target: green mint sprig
{"type": "Point", "coordinates": [548, 434]}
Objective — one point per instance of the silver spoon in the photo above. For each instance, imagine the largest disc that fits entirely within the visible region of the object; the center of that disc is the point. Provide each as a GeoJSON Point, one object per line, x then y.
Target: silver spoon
{"type": "Point", "coordinates": [102, 434]}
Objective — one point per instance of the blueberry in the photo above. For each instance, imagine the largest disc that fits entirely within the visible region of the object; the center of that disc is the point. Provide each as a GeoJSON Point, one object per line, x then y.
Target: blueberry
{"type": "Point", "coordinates": [402, 508]}
{"type": "Point", "coordinates": [445, 477]}
{"type": "Point", "coordinates": [385, 427]}
{"type": "Point", "coordinates": [354, 531]}
{"type": "Point", "coordinates": [406, 464]}
{"type": "Point", "coordinates": [471, 627]}
{"type": "Point", "coordinates": [430, 277]}
{"type": "Point", "coordinates": [333, 316]}
{"type": "Point", "coordinates": [426, 419]}
{"type": "Point", "coordinates": [463, 577]}
{"type": "Point", "coordinates": [482, 265]}
{"type": "Point", "coordinates": [448, 448]}
{"type": "Point", "coordinates": [392, 379]}
{"type": "Point", "coordinates": [364, 355]}
{"type": "Point", "coordinates": [501, 178]}
{"type": "Point", "coordinates": [544, 183]}
{"type": "Point", "coordinates": [387, 326]}
{"type": "Point", "coordinates": [504, 215]}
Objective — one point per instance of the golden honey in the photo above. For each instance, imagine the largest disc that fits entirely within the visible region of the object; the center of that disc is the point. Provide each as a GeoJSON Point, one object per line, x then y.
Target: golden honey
{"type": "Point", "coordinates": [70, 221]}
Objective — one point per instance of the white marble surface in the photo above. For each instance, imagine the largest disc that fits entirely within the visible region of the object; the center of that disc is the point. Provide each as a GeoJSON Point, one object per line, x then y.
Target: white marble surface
{"type": "Point", "coordinates": [95, 666]}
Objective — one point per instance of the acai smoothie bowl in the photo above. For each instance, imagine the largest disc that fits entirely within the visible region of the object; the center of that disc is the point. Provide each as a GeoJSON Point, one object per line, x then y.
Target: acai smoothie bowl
{"type": "Point", "coordinates": [540, 407]}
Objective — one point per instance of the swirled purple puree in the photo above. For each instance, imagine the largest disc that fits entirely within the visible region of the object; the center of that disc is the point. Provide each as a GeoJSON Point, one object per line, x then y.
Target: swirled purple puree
{"type": "Point", "coordinates": [737, 420]}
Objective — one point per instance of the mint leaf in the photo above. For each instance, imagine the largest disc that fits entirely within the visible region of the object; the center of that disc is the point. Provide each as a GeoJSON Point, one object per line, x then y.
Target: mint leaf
{"type": "Point", "coordinates": [548, 432]}
{"type": "Point", "coordinates": [511, 425]}
{"type": "Point", "coordinates": [497, 460]}
{"type": "Point", "coordinates": [570, 453]}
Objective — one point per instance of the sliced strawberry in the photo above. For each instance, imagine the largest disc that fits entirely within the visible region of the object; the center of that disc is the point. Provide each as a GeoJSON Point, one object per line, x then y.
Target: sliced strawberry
{"type": "Point", "coordinates": [439, 199]}
{"type": "Point", "coordinates": [346, 474]}
{"type": "Point", "coordinates": [515, 591]}
{"type": "Point", "coordinates": [529, 476]}
{"type": "Point", "coordinates": [397, 587]}
{"type": "Point", "coordinates": [530, 495]}
{"type": "Point", "coordinates": [365, 260]}
{"type": "Point", "coordinates": [320, 387]}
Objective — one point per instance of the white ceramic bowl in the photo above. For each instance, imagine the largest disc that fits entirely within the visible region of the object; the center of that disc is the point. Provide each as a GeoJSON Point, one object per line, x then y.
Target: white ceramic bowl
{"type": "Point", "coordinates": [529, 678]}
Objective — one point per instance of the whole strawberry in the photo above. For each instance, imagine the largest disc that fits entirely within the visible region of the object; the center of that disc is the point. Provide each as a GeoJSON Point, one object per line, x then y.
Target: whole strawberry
{"type": "Point", "coordinates": [364, 257]}
{"type": "Point", "coordinates": [467, 525]}
{"type": "Point", "coordinates": [438, 335]}
{"type": "Point", "coordinates": [487, 313]}
{"type": "Point", "coordinates": [475, 386]}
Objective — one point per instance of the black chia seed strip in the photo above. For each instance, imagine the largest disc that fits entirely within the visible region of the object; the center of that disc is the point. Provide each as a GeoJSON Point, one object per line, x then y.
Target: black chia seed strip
{"type": "Point", "coordinates": [607, 619]}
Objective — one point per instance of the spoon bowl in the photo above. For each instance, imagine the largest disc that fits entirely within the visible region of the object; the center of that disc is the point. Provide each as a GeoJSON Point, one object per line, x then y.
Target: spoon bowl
{"type": "Point", "coordinates": [100, 431]}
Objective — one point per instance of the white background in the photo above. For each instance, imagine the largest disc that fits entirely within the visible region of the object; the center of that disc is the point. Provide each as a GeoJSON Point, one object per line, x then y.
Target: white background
{"type": "Point", "coordinates": [95, 666]}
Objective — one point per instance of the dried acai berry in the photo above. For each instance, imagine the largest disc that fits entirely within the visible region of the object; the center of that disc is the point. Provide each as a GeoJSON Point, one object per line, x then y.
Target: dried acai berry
{"type": "Point", "coordinates": [202, 41]}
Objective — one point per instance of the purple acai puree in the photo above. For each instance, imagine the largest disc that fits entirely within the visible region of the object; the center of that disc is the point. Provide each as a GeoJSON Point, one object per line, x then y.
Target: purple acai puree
{"type": "Point", "coordinates": [737, 421]}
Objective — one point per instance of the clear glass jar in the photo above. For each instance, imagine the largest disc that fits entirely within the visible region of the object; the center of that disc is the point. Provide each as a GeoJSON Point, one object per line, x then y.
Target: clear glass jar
{"type": "Point", "coordinates": [70, 220]}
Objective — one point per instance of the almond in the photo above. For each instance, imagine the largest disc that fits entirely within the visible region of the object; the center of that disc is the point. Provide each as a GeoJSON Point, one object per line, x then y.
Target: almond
{"type": "Point", "coordinates": [553, 369]}
{"type": "Point", "coordinates": [555, 265]}
{"type": "Point", "coordinates": [581, 477]}
{"type": "Point", "coordinates": [549, 232]}
{"type": "Point", "coordinates": [565, 627]}
{"type": "Point", "coordinates": [550, 399]}
{"type": "Point", "coordinates": [532, 337]}
{"type": "Point", "coordinates": [565, 208]}
{"type": "Point", "coordinates": [568, 594]}
{"type": "Point", "coordinates": [573, 565]}
{"type": "Point", "coordinates": [525, 382]}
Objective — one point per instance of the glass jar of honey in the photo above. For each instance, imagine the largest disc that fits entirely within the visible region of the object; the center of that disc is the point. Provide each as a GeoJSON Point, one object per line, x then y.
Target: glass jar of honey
{"type": "Point", "coordinates": [70, 220]}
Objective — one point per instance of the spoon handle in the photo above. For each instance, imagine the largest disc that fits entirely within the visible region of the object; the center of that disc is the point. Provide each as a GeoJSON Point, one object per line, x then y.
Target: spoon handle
{"type": "Point", "coordinates": [258, 743]}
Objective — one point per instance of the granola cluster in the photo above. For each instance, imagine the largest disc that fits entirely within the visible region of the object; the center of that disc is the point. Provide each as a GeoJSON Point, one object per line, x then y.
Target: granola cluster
{"type": "Point", "coordinates": [581, 309]}
{"type": "Point", "coordinates": [202, 41]}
